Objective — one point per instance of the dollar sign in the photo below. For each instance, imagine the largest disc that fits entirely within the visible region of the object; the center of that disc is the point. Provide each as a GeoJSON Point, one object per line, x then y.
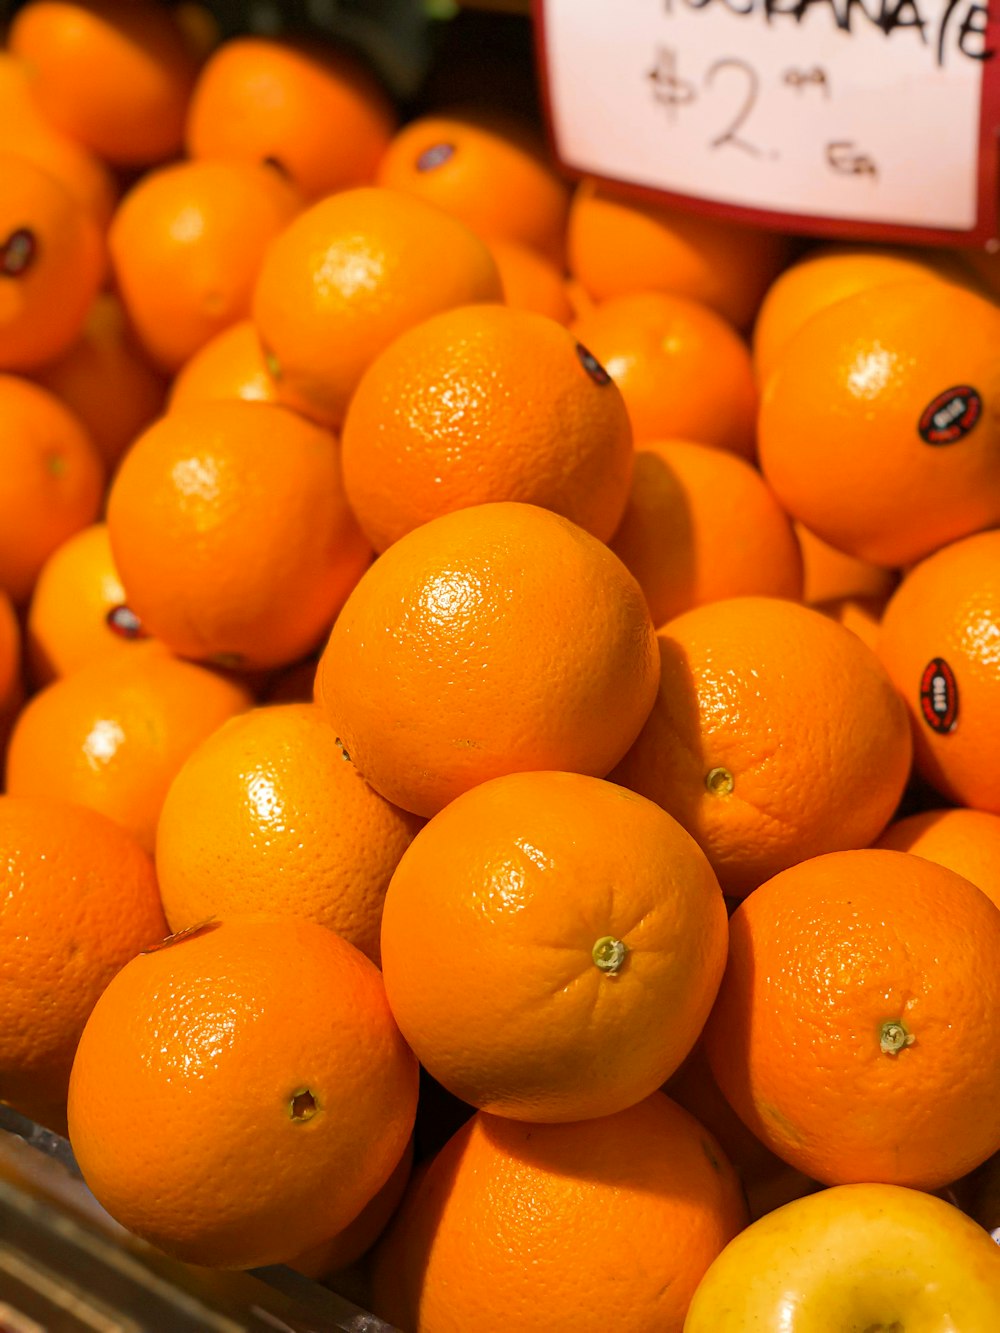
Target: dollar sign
{"type": "Point", "coordinates": [669, 89]}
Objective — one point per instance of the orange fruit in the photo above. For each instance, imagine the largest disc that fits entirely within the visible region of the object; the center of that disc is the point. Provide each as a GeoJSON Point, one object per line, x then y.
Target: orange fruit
{"type": "Point", "coordinates": [776, 736]}
{"type": "Point", "coordinates": [230, 365]}
{"type": "Point", "coordinates": [939, 642]}
{"type": "Point", "coordinates": [485, 403]}
{"type": "Point", "coordinates": [617, 925]}
{"type": "Point", "coordinates": [861, 615]}
{"type": "Point", "coordinates": [268, 815]}
{"type": "Point", "coordinates": [530, 281]}
{"type": "Point", "coordinates": [350, 274]}
{"type": "Point", "coordinates": [51, 265]}
{"type": "Point", "coordinates": [820, 280]}
{"type": "Point", "coordinates": [700, 525]}
{"type": "Point", "coordinates": [313, 111]}
{"type": "Point", "coordinates": [80, 900]}
{"type": "Point", "coordinates": [187, 243]}
{"type": "Point", "coordinates": [965, 841]}
{"type": "Point", "coordinates": [864, 979]}
{"type": "Point", "coordinates": [617, 247]}
{"type": "Point", "coordinates": [106, 380]}
{"type": "Point", "coordinates": [549, 1219]}
{"type": "Point", "coordinates": [830, 574]}
{"type": "Point", "coordinates": [25, 132]}
{"type": "Point", "coordinates": [358, 1237]}
{"type": "Point", "coordinates": [11, 685]}
{"type": "Point", "coordinates": [78, 611]}
{"type": "Point", "coordinates": [683, 371]}
{"type": "Point", "coordinates": [487, 170]}
{"type": "Point", "coordinates": [113, 74]}
{"type": "Point", "coordinates": [897, 392]}
{"type": "Point", "coordinates": [50, 485]}
{"type": "Point", "coordinates": [274, 1090]}
{"type": "Point", "coordinates": [112, 735]}
{"type": "Point", "coordinates": [497, 639]}
{"type": "Point", "coordinates": [232, 533]}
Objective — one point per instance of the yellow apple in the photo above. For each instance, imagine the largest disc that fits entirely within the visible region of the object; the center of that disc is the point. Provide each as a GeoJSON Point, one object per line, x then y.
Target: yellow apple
{"type": "Point", "coordinates": [854, 1259]}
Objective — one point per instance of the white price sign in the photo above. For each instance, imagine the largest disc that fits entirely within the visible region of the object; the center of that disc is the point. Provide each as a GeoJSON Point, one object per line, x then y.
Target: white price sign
{"type": "Point", "coordinates": [868, 118]}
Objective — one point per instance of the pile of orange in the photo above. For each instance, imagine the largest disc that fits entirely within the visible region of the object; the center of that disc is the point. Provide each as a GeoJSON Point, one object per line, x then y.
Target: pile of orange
{"type": "Point", "coordinates": [494, 679]}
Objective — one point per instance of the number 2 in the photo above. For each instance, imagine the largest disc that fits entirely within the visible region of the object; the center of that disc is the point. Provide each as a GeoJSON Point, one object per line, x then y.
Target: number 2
{"type": "Point", "coordinates": [753, 87]}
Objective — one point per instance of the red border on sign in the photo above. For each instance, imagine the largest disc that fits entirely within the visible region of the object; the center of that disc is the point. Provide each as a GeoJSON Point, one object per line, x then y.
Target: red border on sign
{"type": "Point", "coordinates": [986, 232]}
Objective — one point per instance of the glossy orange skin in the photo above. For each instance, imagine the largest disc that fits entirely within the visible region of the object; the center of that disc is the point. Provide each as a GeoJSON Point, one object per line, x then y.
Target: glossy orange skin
{"type": "Point", "coordinates": [348, 276]}
{"type": "Point", "coordinates": [966, 841]}
{"type": "Point", "coordinates": [497, 639]}
{"type": "Point", "coordinates": [106, 380]}
{"type": "Point", "coordinates": [187, 244]}
{"type": "Point", "coordinates": [618, 246]}
{"type": "Point", "coordinates": [531, 281]}
{"type": "Point", "coordinates": [112, 735]}
{"type": "Point", "coordinates": [683, 371]}
{"type": "Point", "coordinates": [831, 575]}
{"type": "Point", "coordinates": [549, 1219]}
{"type": "Point", "coordinates": [50, 485]}
{"type": "Point", "coordinates": [206, 1045]}
{"type": "Point", "coordinates": [949, 607]}
{"type": "Point", "coordinates": [80, 900]}
{"type": "Point", "coordinates": [113, 74]}
{"type": "Point", "coordinates": [701, 525]}
{"type": "Point", "coordinates": [517, 880]}
{"type": "Point", "coordinates": [232, 533]}
{"type": "Point", "coordinates": [26, 132]}
{"type": "Point", "coordinates": [856, 381]}
{"type": "Point", "coordinates": [821, 958]}
{"type": "Point", "coordinates": [821, 280]}
{"type": "Point", "coordinates": [482, 404]}
{"type": "Point", "coordinates": [268, 815]}
{"type": "Point", "coordinates": [799, 714]}
{"type": "Point", "coordinates": [317, 113]}
{"type": "Point", "coordinates": [67, 625]}
{"type": "Point", "coordinates": [230, 365]}
{"type": "Point", "coordinates": [488, 171]}
{"type": "Point", "coordinates": [43, 305]}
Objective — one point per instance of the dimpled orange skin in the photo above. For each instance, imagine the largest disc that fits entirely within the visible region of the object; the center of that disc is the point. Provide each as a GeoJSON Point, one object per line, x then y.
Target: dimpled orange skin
{"type": "Point", "coordinates": [348, 276]}
{"type": "Point", "coordinates": [106, 380]}
{"type": "Point", "coordinates": [26, 132]}
{"type": "Point", "coordinates": [830, 962]}
{"type": "Point", "coordinates": [838, 428]}
{"type": "Point", "coordinates": [821, 280]}
{"type": "Point", "coordinates": [67, 623]}
{"type": "Point", "coordinates": [230, 365]}
{"type": "Point", "coordinates": [966, 841]}
{"type": "Point", "coordinates": [512, 887]}
{"type": "Point", "coordinates": [268, 815]}
{"type": "Point", "coordinates": [113, 74]}
{"type": "Point", "coordinates": [207, 1044]}
{"type": "Point", "coordinates": [50, 485]}
{"type": "Point", "coordinates": [700, 525]}
{"type": "Point", "coordinates": [776, 736]}
{"type": "Point", "coordinates": [494, 640]}
{"type": "Point", "coordinates": [317, 113]}
{"type": "Point", "coordinates": [80, 900]}
{"type": "Point", "coordinates": [232, 533]}
{"type": "Point", "coordinates": [531, 282]}
{"type": "Point", "coordinates": [618, 246]}
{"type": "Point", "coordinates": [113, 734]}
{"type": "Point", "coordinates": [52, 262]}
{"type": "Point", "coordinates": [548, 1223]}
{"type": "Point", "coordinates": [479, 404]}
{"type": "Point", "coordinates": [187, 244]}
{"type": "Point", "coordinates": [949, 607]}
{"type": "Point", "coordinates": [487, 170]}
{"type": "Point", "coordinates": [683, 371]}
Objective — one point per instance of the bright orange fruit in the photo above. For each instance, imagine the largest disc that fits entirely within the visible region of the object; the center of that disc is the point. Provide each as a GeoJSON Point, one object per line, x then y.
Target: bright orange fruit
{"type": "Point", "coordinates": [230, 365]}
{"type": "Point", "coordinates": [966, 841]}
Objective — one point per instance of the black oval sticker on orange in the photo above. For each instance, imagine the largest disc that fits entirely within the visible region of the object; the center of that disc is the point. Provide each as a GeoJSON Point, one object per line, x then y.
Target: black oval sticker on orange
{"type": "Point", "coordinates": [939, 696]}
{"type": "Point", "coordinates": [951, 415]}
